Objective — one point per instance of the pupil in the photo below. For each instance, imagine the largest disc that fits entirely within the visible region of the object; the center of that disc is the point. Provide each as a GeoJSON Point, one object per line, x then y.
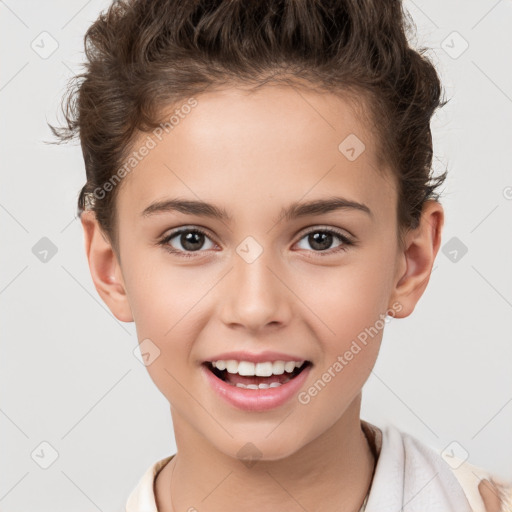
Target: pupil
{"type": "Point", "coordinates": [189, 239]}
{"type": "Point", "coordinates": [320, 245]}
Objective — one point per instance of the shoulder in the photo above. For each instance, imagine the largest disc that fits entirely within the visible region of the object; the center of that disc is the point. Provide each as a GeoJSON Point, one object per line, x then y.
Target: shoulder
{"type": "Point", "coordinates": [485, 491]}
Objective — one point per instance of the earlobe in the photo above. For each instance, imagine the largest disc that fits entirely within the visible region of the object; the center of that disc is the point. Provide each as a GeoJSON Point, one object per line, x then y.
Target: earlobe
{"type": "Point", "coordinates": [105, 269]}
{"type": "Point", "coordinates": [421, 247]}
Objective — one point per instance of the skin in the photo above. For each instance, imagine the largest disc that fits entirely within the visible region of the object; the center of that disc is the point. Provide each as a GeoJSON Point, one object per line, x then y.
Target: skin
{"type": "Point", "coordinates": [490, 496]}
{"type": "Point", "coordinates": [253, 154]}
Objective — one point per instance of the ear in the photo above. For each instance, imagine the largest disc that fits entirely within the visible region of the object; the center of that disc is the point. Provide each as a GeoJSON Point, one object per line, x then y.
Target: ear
{"type": "Point", "coordinates": [105, 268]}
{"type": "Point", "coordinates": [417, 259]}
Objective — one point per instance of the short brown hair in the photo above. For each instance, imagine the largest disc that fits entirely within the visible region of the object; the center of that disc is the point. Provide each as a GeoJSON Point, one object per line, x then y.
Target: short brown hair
{"type": "Point", "coordinates": [144, 55]}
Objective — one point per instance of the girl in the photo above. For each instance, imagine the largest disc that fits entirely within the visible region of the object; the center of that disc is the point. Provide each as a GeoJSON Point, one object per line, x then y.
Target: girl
{"type": "Point", "coordinates": [290, 142]}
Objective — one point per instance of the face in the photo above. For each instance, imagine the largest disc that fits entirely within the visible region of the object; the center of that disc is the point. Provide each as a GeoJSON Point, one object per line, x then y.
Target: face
{"type": "Point", "coordinates": [308, 286]}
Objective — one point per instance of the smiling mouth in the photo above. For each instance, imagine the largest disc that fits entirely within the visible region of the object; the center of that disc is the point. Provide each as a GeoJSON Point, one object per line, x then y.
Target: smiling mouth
{"type": "Point", "coordinates": [254, 381]}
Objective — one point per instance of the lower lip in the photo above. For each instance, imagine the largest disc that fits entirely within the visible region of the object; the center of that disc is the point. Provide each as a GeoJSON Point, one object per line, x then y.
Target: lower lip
{"type": "Point", "coordinates": [256, 399]}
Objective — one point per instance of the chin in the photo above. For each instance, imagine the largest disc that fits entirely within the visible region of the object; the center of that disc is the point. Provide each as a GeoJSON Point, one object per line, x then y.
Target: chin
{"type": "Point", "coordinates": [251, 449]}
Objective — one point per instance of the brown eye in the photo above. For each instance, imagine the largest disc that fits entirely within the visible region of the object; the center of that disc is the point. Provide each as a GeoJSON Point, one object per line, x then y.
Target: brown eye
{"type": "Point", "coordinates": [321, 240]}
{"type": "Point", "coordinates": [185, 241]}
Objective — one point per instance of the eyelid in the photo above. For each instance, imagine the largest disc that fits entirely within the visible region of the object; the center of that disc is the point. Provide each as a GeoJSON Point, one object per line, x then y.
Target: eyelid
{"type": "Point", "coordinates": [172, 232]}
{"type": "Point", "coordinates": [321, 227]}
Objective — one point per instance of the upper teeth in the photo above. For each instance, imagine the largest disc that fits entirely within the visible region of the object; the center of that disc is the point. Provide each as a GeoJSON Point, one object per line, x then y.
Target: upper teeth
{"type": "Point", "coordinates": [264, 369]}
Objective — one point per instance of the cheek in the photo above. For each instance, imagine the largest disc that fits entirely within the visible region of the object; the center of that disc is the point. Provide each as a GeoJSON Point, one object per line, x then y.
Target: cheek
{"type": "Point", "coordinates": [160, 293]}
{"type": "Point", "coordinates": [346, 299]}
{"type": "Point", "coordinates": [168, 306]}
{"type": "Point", "coordinates": [164, 313]}
{"type": "Point", "coordinates": [350, 328]}
{"type": "Point", "coordinates": [351, 303]}
{"type": "Point", "coordinates": [158, 301]}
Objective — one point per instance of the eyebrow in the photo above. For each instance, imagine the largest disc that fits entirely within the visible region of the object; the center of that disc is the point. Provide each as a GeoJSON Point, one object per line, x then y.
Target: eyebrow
{"type": "Point", "coordinates": [293, 211]}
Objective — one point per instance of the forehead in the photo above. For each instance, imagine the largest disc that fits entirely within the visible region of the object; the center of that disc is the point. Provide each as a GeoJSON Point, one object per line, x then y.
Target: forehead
{"type": "Point", "coordinates": [277, 142]}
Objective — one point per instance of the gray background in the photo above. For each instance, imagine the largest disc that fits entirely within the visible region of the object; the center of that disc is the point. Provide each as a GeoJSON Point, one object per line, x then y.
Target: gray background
{"type": "Point", "coordinates": [68, 374]}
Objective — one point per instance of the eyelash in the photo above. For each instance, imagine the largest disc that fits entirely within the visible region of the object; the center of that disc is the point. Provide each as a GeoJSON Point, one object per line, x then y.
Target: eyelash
{"type": "Point", "coordinates": [191, 254]}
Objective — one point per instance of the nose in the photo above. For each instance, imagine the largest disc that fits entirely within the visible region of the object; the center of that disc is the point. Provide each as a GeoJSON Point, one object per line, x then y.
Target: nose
{"type": "Point", "coordinates": [255, 295]}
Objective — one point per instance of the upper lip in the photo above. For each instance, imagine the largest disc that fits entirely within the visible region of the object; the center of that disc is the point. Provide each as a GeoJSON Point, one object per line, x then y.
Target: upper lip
{"type": "Point", "coordinates": [260, 357]}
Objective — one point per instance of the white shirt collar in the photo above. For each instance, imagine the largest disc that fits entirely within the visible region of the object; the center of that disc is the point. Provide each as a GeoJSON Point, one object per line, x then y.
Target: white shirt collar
{"type": "Point", "coordinates": [142, 498]}
{"type": "Point", "coordinates": [423, 461]}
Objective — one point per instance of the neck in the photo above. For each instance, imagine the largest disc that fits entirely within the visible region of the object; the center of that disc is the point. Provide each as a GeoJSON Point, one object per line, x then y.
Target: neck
{"type": "Point", "coordinates": [335, 469]}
